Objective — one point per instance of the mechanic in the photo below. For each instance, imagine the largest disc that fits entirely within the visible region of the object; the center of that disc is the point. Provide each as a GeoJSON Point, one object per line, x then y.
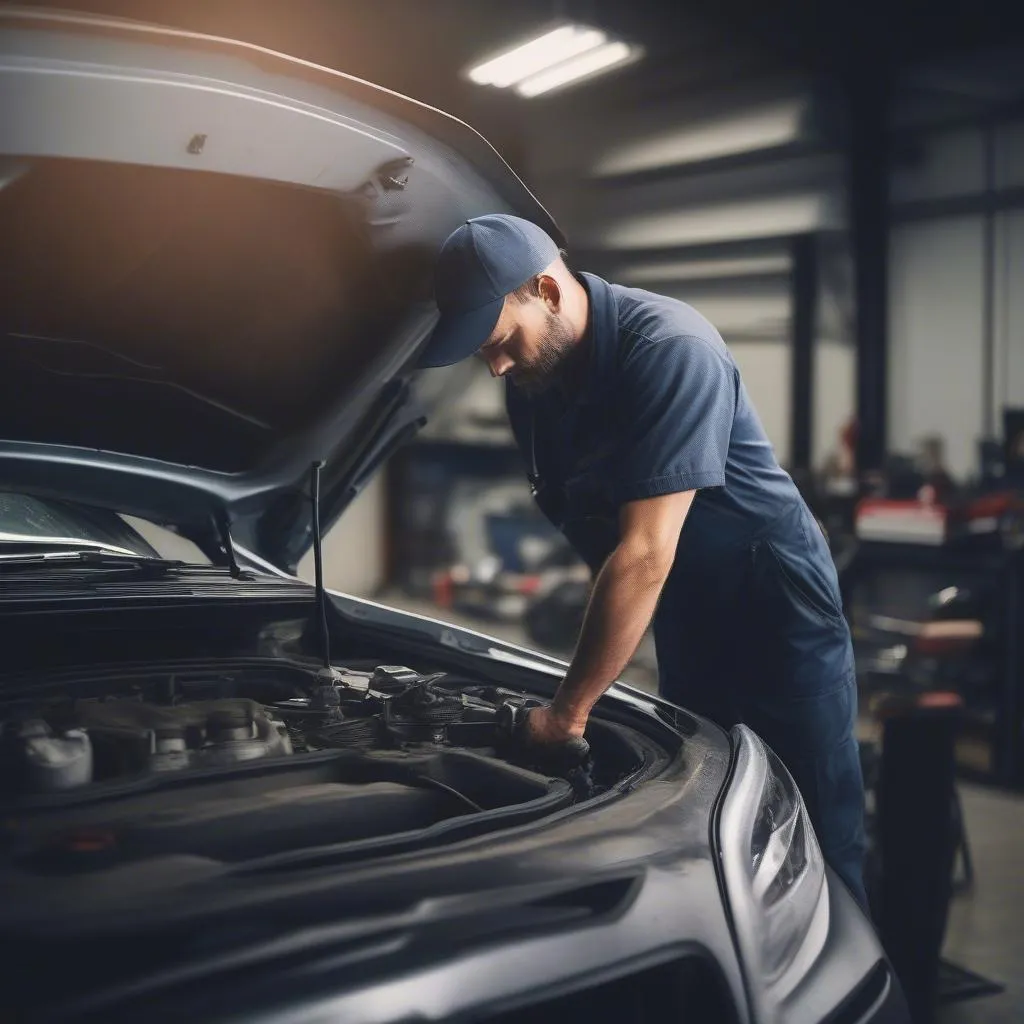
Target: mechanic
{"type": "Point", "coordinates": [633, 420]}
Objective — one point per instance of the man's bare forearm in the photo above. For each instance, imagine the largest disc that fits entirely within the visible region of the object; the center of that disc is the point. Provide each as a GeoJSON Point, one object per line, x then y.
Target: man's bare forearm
{"type": "Point", "coordinates": [621, 607]}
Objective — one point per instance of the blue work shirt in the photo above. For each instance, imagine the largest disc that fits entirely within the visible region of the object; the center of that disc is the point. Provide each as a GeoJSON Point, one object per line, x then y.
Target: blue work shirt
{"type": "Point", "coordinates": [752, 600]}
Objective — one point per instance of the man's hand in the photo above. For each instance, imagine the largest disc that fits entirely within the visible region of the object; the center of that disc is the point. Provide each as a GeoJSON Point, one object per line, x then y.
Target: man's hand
{"type": "Point", "coordinates": [545, 726]}
{"type": "Point", "coordinates": [540, 740]}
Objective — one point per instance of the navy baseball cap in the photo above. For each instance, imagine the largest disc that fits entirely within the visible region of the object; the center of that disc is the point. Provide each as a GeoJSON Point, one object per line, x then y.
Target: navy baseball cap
{"type": "Point", "coordinates": [479, 264]}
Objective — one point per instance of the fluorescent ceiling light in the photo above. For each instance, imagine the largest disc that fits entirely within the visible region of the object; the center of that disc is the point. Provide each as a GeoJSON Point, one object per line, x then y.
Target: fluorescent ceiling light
{"type": "Point", "coordinates": [543, 52]}
{"type": "Point", "coordinates": [742, 132]}
{"type": "Point", "coordinates": [604, 58]}
{"type": "Point", "coordinates": [568, 53]}
{"type": "Point", "coordinates": [698, 270]}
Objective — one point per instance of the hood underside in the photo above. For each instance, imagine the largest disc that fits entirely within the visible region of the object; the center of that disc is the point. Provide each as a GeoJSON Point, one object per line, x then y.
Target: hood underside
{"type": "Point", "coordinates": [216, 271]}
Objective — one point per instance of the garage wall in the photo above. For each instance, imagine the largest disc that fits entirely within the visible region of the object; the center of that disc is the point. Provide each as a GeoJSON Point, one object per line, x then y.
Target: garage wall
{"type": "Point", "coordinates": [937, 297]}
{"type": "Point", "coordinates": [834, 390]}
{"type": "Point", "coordinates": [755, 321]}
{"type": "Point", "coordinates": [1009, 311]}
{"type": "Point", "coordinates": [354, 547]}
{"type": "Point", "coordinates": [935, 329]}
{"type": "Point", "coordinates": [764, 366]}
{"type": "Point", "coordinates": [834, 395]}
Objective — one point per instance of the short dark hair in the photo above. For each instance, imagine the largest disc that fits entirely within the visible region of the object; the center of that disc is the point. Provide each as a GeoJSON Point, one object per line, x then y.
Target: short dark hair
{"type": "Point", "coordinates": [531, 289]}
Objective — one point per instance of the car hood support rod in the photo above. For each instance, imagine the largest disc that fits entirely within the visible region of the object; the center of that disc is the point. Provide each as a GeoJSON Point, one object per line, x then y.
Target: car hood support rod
{"type": "Point", "coordinates": [318, 564]}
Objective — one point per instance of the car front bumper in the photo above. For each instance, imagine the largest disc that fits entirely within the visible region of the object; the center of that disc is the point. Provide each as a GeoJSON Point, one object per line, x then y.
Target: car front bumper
{"type": "Point", "coordinates": [659, 929]}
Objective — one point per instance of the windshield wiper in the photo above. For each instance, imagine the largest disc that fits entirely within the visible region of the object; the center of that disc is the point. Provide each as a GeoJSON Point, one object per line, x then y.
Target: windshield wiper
{"type": "Point", "coordinates": [30, 543]}
{"type": "Point", "coordinates": [90, 559]}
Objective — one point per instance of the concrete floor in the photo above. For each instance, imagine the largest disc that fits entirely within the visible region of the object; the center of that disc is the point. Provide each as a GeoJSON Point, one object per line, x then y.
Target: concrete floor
{"type": "Point", "coordinates": [985, 933]}
{"type": "Point", "coordinates": [986, 925]}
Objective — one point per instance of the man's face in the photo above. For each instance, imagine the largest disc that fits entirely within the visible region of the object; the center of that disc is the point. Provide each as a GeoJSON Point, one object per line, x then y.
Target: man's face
{"type": "Point", "coordinates": [531, 343]}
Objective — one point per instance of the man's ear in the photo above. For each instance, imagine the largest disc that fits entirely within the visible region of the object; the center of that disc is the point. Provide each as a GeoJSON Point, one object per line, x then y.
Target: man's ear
{"type": "Point", "coordinates": [550, 292]}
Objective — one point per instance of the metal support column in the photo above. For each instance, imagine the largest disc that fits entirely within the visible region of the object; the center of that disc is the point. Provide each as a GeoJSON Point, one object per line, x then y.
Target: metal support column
{"type": "Point", "coordinates": [990, 428]}
{"type": "Point", "coordinates": [869, 234]}
{"type": "Point", "coordinates": [804, 309]}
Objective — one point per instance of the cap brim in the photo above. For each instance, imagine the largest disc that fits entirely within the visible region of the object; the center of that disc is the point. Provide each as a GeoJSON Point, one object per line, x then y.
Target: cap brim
{"type": "Point", "coordinates": [458, 335]}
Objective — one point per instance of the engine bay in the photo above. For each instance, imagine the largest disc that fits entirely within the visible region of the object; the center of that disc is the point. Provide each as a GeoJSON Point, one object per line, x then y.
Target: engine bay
{"type": "Point", "coordinates": [261, 759]}
{"type": "Point", "coordinates": [147, 723]}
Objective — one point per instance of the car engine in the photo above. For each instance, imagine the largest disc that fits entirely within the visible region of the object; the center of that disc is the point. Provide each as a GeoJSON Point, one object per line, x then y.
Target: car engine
{"type": "Point", "coordinates": [155, 728]}
{"type": "Point", "coordinates": [256, 759]}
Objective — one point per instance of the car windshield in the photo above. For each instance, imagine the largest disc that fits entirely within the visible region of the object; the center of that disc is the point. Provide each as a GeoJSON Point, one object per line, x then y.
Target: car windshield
{"type": "Point", "coordinates": [30, 525]}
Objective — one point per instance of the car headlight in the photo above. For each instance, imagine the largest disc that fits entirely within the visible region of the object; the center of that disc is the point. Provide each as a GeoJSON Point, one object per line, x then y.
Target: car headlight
{"type": "Point", "coordinates": [774, 874]}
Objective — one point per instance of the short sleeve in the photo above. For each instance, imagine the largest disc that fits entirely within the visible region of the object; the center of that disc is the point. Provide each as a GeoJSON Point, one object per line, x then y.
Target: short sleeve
{"type": "Point", "coordinates": [676, 403]}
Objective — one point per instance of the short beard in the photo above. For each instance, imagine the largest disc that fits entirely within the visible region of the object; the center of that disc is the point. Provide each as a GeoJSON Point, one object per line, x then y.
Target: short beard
{"type": "Point", "coordinates": [554, 353]}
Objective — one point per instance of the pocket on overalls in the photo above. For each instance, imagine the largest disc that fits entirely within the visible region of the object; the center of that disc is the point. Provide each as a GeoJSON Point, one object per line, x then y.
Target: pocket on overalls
{"type": "Point", "coordinates": [804, 566]}
{"type": "Point", "coordinates": [801, 637]}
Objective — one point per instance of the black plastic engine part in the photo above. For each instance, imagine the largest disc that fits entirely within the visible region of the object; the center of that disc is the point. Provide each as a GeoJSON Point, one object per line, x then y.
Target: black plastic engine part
{"type": "Point", "coordinates": [351, 734]}
{"type": "Point", "coordinates": [426, 702]}
{"type": "Point", "coordinates": [392, 678]}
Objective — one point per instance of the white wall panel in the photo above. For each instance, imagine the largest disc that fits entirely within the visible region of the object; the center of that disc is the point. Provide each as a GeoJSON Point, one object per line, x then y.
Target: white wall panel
{"type": "Point", "coordinates": [834, 395]}
{"type": "Point", "coordinates": [354, 547]}
{"type": "Point", "coordinates": [935, 324]}
{"type": "Point", "coordinates": [1008, 364]}
{"type": "Point", "coordinates": [764, 366]}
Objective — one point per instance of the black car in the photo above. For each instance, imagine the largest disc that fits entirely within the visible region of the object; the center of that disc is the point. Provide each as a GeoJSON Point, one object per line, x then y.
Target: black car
{"type": "Point", "coordinates": [224, 793]}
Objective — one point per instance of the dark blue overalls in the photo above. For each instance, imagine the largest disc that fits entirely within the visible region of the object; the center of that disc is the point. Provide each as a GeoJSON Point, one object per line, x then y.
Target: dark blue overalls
{"type": "Point", "coordinates": [750, 625]}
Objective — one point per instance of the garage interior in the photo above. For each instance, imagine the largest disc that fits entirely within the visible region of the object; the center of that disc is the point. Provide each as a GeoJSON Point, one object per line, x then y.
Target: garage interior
{"type": "Point", "coordinates": [840, 189]}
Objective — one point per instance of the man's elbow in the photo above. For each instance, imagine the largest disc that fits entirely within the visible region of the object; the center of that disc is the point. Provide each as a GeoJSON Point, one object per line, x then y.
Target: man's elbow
{"type": "Point", "coordinates": [649, 564]}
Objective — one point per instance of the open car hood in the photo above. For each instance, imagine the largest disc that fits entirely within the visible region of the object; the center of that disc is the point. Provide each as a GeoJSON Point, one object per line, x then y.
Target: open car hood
{"type": "Point", "coordinates": [216, 272]}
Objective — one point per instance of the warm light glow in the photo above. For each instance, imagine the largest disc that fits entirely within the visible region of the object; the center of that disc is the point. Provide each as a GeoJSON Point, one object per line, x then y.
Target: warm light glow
{"type": "Point", "coordinates": [544, 52]}
{"type": "Point", "coordinates": [602, 59]}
